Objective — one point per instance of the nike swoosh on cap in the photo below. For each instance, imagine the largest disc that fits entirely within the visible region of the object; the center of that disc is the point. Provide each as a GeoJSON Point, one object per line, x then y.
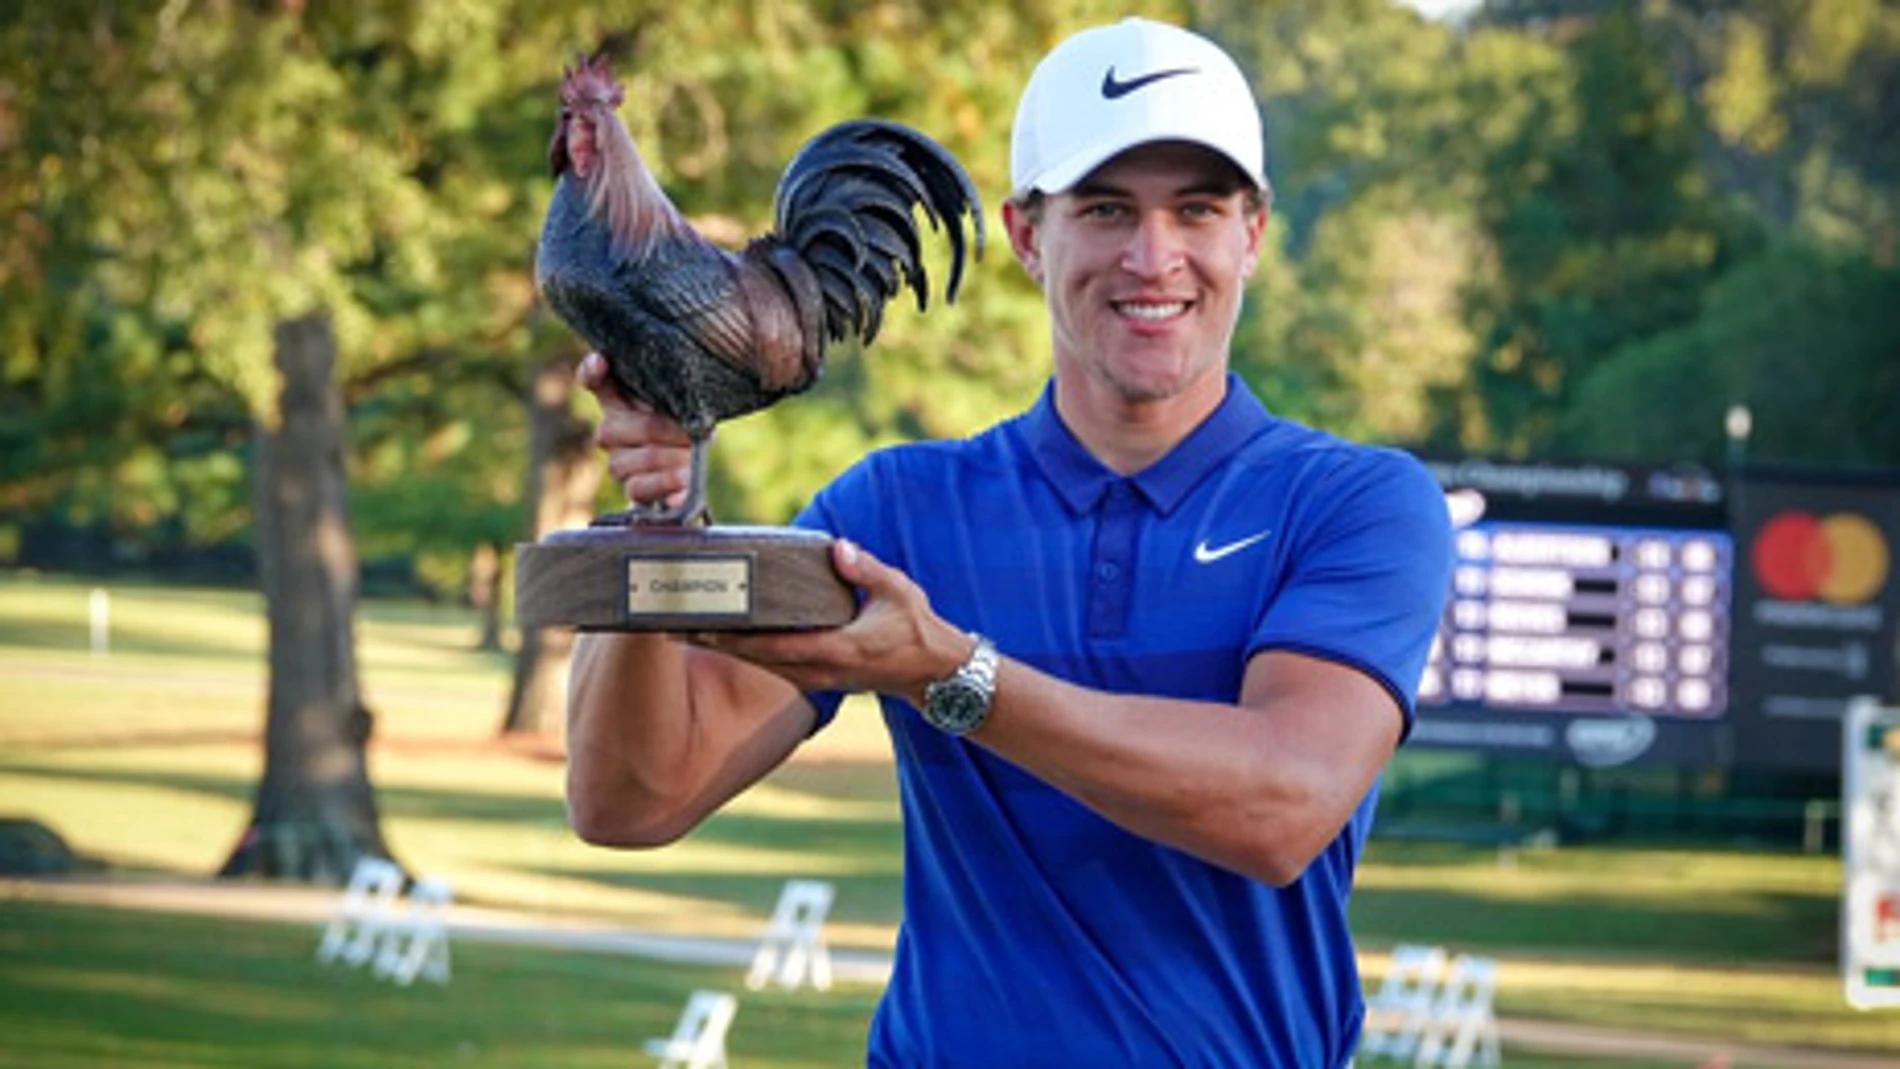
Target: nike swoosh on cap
{"type": "Point", "coordinates": [1115, 90]}
{"type": "Point", "coordinates": [1205, 554]}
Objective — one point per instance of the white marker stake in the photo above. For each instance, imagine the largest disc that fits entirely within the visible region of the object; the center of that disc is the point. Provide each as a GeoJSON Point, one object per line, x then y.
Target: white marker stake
{"type": "Point", "coordinates": [100, 604]}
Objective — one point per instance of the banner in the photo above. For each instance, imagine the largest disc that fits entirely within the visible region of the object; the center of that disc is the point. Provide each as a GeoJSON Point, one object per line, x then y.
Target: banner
{"type": "Point", "coordinates": [1815, 610]}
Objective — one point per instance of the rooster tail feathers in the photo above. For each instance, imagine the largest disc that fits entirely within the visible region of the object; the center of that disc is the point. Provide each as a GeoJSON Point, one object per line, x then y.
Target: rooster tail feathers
{"type": "Point", "coordinates": [847, 305]}
{"type": "Point", "coordinates": [880, 164]}
{"type": "Point", "coordinates": [848, 205]}
{"type": "Point", "coordinates": [954, 188]}
{"type": "Point", "coordinates": [824, 223]}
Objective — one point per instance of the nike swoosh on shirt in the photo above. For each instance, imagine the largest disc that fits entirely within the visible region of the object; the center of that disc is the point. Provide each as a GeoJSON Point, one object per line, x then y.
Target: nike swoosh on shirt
{"type": "Point", "coordinates": [1115, 90]}
{"type": "Point", "coordinates": [1206, 554]}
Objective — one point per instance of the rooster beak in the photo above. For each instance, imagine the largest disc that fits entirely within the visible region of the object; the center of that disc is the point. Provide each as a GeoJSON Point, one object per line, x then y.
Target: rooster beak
{"type": "Point", "coordinates": [580, 146]}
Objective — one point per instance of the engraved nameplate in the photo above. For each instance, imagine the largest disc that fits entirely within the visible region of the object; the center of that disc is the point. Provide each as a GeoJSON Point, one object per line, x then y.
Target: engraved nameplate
{"type": "Point", "coordinates": [689, 586]}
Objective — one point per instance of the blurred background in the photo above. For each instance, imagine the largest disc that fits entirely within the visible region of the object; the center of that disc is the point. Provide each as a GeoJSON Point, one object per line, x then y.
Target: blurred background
{"type": "Point", "coordinates": [277, 403]}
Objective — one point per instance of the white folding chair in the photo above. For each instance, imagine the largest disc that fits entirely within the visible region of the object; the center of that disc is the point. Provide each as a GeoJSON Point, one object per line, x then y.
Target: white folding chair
{"type": "Point", "coordinates": [417, 942]}
{"type": "Point", "coordinates": [699, 1039]}
{"type": "Point", "coordinates": [1396, 1013]}
{"type": "Point", "coordinates": [362, 915]}
{"type": "Point", "coordinates": [793, 946]}
{"type": "Point", "coordinates": [1462, 1022]}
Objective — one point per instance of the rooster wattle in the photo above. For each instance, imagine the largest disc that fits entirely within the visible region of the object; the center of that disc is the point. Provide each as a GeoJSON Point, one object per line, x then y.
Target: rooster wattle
{"type": "Point", "coordinates": [704, 334]}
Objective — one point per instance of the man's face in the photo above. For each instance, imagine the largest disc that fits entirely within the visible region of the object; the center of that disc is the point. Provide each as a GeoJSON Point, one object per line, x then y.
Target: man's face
{"type": "Point", "coordinates": [1142, 265]}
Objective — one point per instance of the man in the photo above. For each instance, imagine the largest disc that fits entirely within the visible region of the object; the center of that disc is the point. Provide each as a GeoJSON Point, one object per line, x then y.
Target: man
{"type": "Point", "coordinates": [1142, 650]}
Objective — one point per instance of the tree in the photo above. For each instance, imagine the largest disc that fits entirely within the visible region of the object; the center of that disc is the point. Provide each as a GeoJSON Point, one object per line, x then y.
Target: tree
{"type": "Point", "coordinates": [106, 420]}
{"type": "Point", "coordinates": [315, 812]}
{"type": "Point", "coordinates": [1804, 337]}
{"type": "Point", "coordinates": [1799, 99]}
{"type": "Point", "coordinates": [1747, 193]}
{"type": "Point", "coordinates": [1357, 315]}
{"type": "Point", "coordinates": [1607, 238]}
{"type": "Point", "coordinates": [563, 476]}
{"type": "Point", "coordinates": [274, 192]}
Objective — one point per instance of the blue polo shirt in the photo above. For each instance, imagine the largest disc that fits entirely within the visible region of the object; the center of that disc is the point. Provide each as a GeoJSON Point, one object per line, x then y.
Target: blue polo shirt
{"type": "Point", "coordinates": [1035, 932]}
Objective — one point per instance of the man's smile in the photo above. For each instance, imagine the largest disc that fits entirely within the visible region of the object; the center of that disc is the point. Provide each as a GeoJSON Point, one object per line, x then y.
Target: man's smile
{"type": "Point", "coordinates": [1150, 311]}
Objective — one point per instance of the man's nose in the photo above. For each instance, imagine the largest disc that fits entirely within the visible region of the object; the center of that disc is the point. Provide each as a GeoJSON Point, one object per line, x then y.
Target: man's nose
{"type": "Point", "coordinates": [1154, 249]}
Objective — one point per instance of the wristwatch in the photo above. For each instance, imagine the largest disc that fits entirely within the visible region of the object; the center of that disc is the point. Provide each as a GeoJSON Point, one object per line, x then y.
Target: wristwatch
{"type": "Point", "coordinates": [959, 702]}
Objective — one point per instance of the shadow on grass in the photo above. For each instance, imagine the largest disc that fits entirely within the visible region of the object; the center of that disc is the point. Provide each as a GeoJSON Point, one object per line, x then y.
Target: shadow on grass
{"type": "Point", "coordinates": [228, 787]}
{"type": "Point", "coordinates": [65, 635]}
{"type": "Point", "coordinates": [829, 833]}
{"type": "Point", "coordinates": [860, 853]}
{"type": "Point", "coordinates": [423, 803]}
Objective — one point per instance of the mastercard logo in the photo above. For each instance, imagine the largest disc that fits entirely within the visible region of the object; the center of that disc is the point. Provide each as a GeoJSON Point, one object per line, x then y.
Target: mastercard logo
{"type": "Point", "coordinates": [1840, 558]}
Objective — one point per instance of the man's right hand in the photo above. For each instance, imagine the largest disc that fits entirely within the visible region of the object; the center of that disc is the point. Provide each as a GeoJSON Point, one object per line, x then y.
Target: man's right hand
{"type": "Point", "coordinates": [648, 454]}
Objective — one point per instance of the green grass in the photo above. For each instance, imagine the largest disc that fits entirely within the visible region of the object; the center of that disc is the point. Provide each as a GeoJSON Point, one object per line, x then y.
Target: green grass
{"type": "Point", "coordinates": [1724, 944]}
{"type": "Point", "coordinates": [86, 987]}
{"type": "Point", "coordinates": [166, 726]}
{"type": "Point", "coordinates": [145, 759]}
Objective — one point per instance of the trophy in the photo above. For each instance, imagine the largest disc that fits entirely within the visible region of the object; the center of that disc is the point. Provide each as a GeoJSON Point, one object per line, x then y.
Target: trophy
{"type": "Point", "coordinates": [704, 334]}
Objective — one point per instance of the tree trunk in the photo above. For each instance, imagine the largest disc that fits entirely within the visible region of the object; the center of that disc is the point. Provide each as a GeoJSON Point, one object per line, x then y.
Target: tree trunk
{"type": "Point", "coordinates": [315, 811]}
{"type": "Point", "coordinates": [562, 478]}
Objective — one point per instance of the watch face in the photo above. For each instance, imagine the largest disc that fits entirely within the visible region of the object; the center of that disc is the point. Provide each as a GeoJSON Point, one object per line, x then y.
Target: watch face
{"type": "Point", "coordinates": [957, 706]}
{"type": "Point", "coordinates": [961, 703]}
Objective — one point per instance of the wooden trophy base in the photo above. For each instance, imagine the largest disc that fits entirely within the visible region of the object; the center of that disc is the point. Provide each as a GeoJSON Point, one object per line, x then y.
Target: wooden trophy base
{"type": "Point", "coordinates": [633, 578]}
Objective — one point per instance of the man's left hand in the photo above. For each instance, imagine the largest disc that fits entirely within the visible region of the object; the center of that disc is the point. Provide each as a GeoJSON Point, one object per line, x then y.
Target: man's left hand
{"type": "Point", "coordinates": [895, 645]}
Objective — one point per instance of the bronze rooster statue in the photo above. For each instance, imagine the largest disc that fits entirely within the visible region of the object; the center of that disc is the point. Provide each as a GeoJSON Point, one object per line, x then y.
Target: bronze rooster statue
{"type": "Point", "coordinates": [704, 334]}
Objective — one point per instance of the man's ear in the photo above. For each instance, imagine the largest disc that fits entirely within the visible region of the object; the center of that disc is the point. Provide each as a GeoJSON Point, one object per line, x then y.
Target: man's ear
{"type": "Point", "coordinates": [1256, 232]}
{"type": "Point", "coordinates": [1025, 238]}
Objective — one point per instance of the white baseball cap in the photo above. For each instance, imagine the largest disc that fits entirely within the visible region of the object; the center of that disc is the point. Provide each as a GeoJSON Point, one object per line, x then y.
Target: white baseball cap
{"type": "Point", "coordinates": [1105, 90]}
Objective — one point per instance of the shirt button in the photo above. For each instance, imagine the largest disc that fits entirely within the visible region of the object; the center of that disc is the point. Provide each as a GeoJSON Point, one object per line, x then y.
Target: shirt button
{"type": "Point", "coordinates": [1107, 571]}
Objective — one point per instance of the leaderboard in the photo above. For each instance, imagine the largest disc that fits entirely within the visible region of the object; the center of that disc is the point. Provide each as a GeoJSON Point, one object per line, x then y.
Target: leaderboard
{"type": "Point", "coordinates": [1573, 618]}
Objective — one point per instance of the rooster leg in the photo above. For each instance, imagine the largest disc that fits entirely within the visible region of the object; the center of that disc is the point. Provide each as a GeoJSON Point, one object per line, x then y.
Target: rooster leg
{"type": "Point", "coordinates": [691, 512]}
{"type": "Point", "coordinates": [693, 509]}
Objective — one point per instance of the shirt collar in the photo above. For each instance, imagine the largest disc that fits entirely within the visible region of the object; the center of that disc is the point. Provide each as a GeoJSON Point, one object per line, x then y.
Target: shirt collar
{"type": "Point", "coordinates": [1081, 479]}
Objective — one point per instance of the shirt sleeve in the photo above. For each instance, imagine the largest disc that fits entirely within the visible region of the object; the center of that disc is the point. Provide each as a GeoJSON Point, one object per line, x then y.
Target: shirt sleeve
{"type": "Point", "coordinates": [1369, 573]}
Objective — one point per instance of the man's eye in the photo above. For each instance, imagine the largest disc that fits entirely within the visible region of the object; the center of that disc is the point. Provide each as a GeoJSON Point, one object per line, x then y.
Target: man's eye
{"type": "Point", "coordinates": [1103, 210]}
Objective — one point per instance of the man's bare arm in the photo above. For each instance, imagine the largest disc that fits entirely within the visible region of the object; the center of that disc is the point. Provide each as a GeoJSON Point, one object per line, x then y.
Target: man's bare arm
{"type": "Point", "coordinates": [659, 735]}
{"type": "Point", "coordinates": [1259, 786]}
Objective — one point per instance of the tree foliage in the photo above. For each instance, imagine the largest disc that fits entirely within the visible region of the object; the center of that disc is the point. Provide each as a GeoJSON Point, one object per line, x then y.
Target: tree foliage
{"type": "Point", "coordinates": [1721, 151]}
{"type": "Point", "coordinates": [1804, 337]}
{"type": "Point", "coordinates": [1470, 221]}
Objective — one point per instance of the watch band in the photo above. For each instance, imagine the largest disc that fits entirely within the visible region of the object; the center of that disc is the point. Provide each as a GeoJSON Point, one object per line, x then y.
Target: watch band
{"type": "Point", "coordinates": [959, 703]}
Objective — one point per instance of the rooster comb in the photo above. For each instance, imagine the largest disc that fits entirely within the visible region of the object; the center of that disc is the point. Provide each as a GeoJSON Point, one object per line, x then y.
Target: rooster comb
{"type": "Point", "coordinates": [590, 82]}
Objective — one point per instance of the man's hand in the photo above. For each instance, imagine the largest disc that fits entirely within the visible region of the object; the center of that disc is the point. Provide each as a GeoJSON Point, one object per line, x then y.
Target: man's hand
{"type": "Point", "coordinates": [647, 454]}
{"type": "Point", "coordinates": [896, 644]}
